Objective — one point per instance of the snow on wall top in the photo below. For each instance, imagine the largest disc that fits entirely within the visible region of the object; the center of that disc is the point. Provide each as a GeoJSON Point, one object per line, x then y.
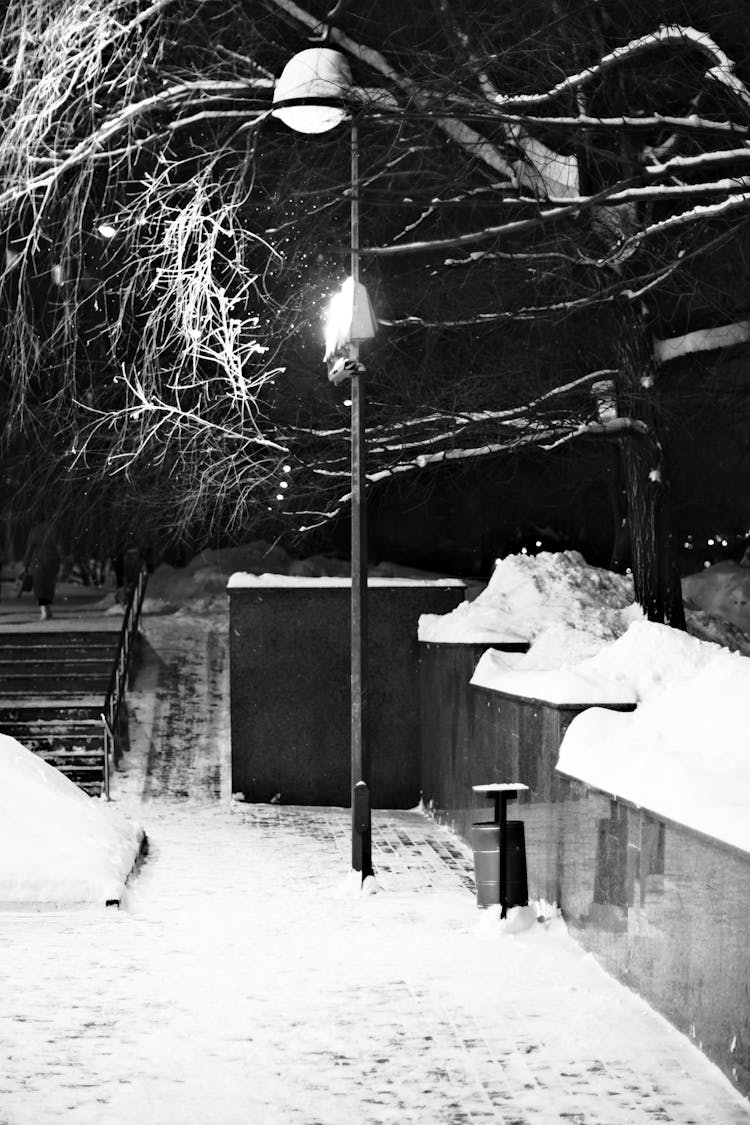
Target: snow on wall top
{"type": "Point", "coordinates": [683, 752]}
{"type": "Point", "coordinates": [240, 580]}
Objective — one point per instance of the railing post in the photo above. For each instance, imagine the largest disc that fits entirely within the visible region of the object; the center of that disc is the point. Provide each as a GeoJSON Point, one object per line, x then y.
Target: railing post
{"type": "Point", "coordinates": [119, 676]}
{"type": "Point", "coordinates": [107, 749]}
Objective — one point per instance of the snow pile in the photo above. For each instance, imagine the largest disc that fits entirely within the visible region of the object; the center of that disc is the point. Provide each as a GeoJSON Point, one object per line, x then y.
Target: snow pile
{"type": "Point", "coordinates": [201, 586]}
{"type": "Point", "coordinates": [527, 594]}
{"type": "Point", "coordinates": [202, 583]}
{"type": "Point", "coordinates": [560, 686]}
{"type": "Point", "coordinates": [644, 660]}
{"type": "Point", "coordinates": [57, 845]}
{"type": "Point", "coordinates": [683, 753]}
{"type": "Point", "coordinates": [650, 658]}
{"type": "Point", "coordinates": [722, 590]}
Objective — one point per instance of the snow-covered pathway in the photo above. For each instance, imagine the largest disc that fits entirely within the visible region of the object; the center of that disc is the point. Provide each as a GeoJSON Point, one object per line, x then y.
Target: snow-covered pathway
{"type": "Point", "coordinates": [237, 986]}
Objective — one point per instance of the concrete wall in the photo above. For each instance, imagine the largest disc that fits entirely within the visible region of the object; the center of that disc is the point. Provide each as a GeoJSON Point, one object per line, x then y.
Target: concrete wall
{"type": "Point", "coordinates": [290, 690]}
{"type": "Point", "coordinates": [664, 908]}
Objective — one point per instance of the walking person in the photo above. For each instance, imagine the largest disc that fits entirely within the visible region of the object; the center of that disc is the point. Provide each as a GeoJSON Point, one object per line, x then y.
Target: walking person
{"type": "Point", "coordinates": [127, 562]}
{"type": "Point", "coordinates": [42, 561]}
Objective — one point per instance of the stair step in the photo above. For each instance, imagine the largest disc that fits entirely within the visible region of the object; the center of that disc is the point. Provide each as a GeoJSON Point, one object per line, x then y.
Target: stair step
{"type": "Point", "coordinates": [44, 745]}
{"type": "Point", "coordinates": [59, 637]}
{"type": "Point", "coordinates": [77, 772]}
{"type": "Point", "coordinates": [92, 788]}
{"type": "Point", "coordinates": [52, 683]}
{"type": "Point", "coordinates": [82, 652]}
{"type": "Point", "coordinates": [45, 662]}
{"type": "Point", "coordinates": [43, 709]}
{"type": "Point", "coordinates": [47, 677]}
{"type": "Point", "coordinates": [40, 676]}
{"type": "Point", "coordinates": [81, 728]}
{"type": "Point", "coordinates": [82, 763]}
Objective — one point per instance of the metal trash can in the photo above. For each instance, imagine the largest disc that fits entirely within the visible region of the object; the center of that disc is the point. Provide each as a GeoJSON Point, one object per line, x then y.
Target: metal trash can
{"type": "Point", "coordinates": [500, 878]}
{"type": "Point", "coordinates": [487, 848]}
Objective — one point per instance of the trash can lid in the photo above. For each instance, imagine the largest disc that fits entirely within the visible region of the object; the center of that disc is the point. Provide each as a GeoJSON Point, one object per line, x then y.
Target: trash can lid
{"type": "Point", "coordinates": [499, 787]}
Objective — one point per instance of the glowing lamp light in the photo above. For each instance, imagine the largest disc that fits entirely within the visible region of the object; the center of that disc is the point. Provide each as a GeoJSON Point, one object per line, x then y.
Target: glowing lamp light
{"type": "Point", "coordinates": [106, 230]}
{"type": "Point", "coordinates": [309, 95]}
{"type": "Point", "coordinates": [349, 319]}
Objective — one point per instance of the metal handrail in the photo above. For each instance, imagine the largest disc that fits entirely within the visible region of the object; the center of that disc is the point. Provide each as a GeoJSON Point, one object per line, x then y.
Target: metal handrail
{"type": "Point", "coordinates": [118, 679]}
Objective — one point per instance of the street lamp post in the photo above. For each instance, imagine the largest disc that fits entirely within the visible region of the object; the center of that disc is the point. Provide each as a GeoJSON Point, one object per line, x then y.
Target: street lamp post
{"type": "Point", "coordinates": [311, 97]}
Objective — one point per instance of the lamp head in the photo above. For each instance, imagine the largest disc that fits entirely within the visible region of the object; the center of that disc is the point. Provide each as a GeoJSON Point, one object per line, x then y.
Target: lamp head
{"type": "Point", "coordinates": [349, 319]}
{"type": "Point", "coordinates": [310, 95]}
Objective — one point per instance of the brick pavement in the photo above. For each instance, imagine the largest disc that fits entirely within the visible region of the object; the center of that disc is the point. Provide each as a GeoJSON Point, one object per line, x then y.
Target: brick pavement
{"type": "Point", "coordinates": [239, 985]}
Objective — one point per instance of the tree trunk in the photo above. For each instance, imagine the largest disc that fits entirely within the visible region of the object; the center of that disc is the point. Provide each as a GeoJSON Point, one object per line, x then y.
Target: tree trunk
{"type": "Point", "coordinates": [656, 576]}
{"type": "Point", "coordinates": [620, 558]}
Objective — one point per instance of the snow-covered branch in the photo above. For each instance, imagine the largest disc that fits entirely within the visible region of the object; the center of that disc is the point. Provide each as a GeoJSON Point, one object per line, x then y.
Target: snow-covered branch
{"type": "Point", "coordinates": [157, 225]}
{"type": "Point", "coordinates": [94, 144]}
{"type": "Point", "coordinates": [702, 340]}
{"type": "Point", "coordinates": [732, 187]}
{"type": "Point", "coordinates": [545, 437]}
{"type": "Point", "coordinates": [721, 67]}
{"type": "Point", "coordinates": [699, 213]}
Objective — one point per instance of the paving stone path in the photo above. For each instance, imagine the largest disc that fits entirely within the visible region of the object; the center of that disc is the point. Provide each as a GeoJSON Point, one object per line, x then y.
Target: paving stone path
{"type": "Point", "coordinates": [243, 983]}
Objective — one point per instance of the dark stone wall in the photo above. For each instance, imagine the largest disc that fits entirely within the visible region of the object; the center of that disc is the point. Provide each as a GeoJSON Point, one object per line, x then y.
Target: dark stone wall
{"type": "Point", "coordinates": [667, 911]}
{"type": "Point", "coordinates": [450, 756]}
{"type": "Point", "coordinates": [472, 736]}
{"type": "Point", "coordinates": [290, 691]}
{"type": "Point", "coordinates": [664, 908]}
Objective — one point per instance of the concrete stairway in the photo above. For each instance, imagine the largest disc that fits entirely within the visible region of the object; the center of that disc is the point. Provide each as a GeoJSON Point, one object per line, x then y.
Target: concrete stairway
{"type": "Point", "coordinates": [52, 689]}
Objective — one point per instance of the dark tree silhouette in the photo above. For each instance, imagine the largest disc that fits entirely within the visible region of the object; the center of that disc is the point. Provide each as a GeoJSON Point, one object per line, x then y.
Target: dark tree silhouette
{"type": "Point", "coordinates": [533, 183]}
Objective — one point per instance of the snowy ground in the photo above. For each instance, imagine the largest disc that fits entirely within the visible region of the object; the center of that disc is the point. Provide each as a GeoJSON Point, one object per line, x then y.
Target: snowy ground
{"type": "Point", "coordinates": [235, 985]}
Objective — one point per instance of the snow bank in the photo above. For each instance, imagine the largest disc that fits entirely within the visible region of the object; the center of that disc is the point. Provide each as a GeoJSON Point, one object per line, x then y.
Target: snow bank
{"type": "Point", "coordinates": [201, 586]}
{"type": "Point", "coordinates": [202, 583]}
{"type": "Point", "coordinates": [562, 686]}
{"type": "Point", "coordinates": [722, 590]}
{"type": "Point", "coordinates": [57, 845]}
{"type": "Point", "coordinates": [683, 753]}
{"type": "Point", "coordinates": [644, 660]}
{"type": "Point", "coordinates": [528, 593]}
